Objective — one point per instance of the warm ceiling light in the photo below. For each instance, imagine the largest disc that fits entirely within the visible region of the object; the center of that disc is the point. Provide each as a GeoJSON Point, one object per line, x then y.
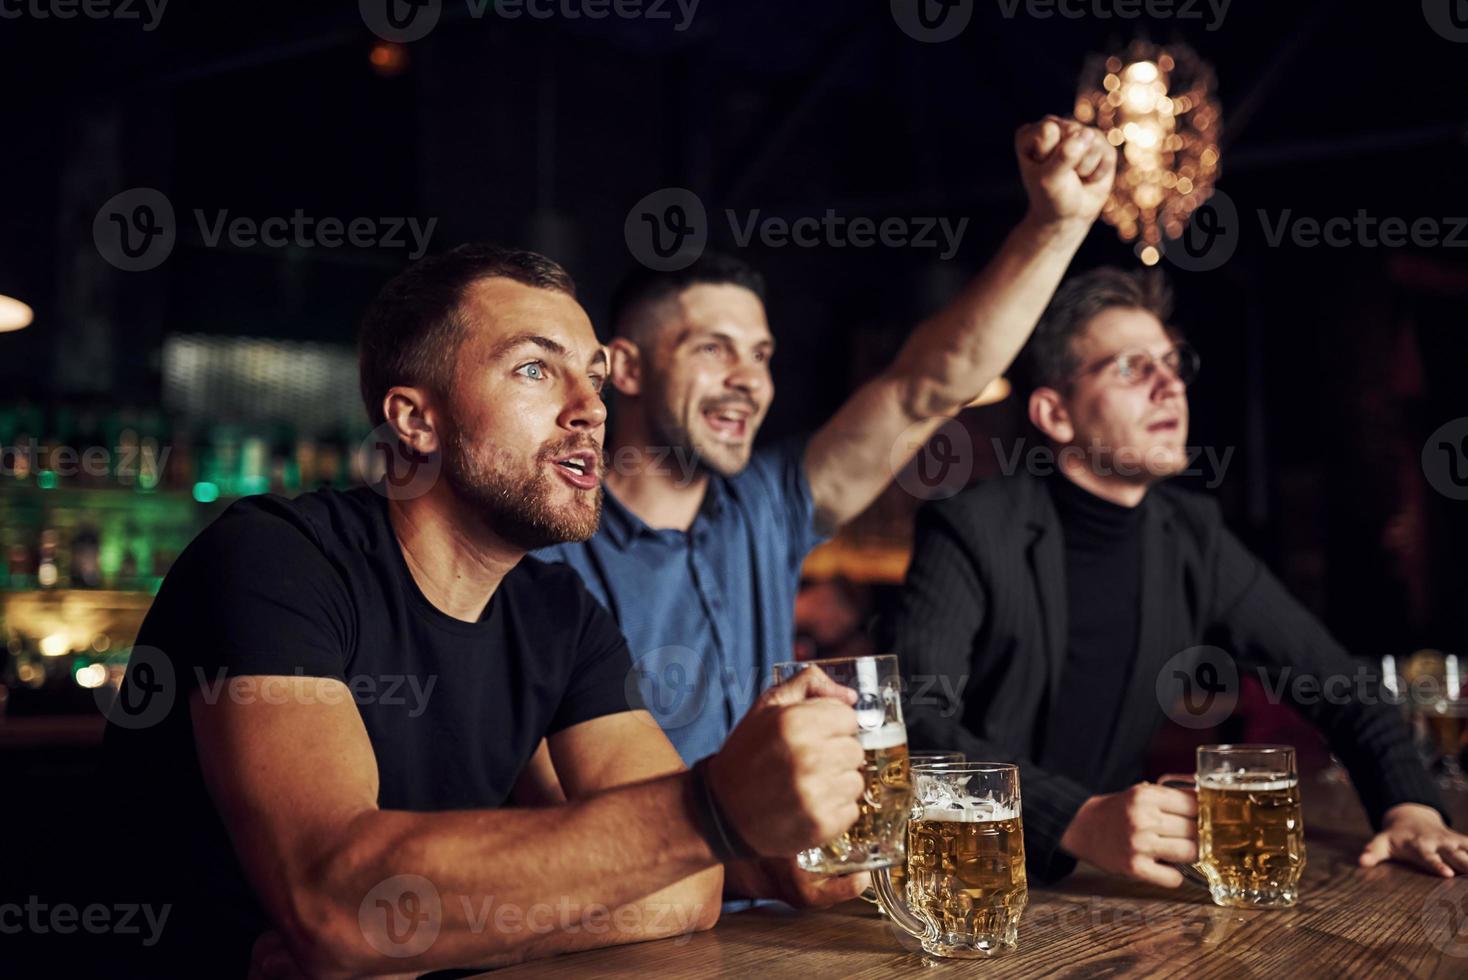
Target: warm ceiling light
{"type": "Point", "coordinates": [1157, 104]}
{"type": "Point", "coordinates": [14, 314]}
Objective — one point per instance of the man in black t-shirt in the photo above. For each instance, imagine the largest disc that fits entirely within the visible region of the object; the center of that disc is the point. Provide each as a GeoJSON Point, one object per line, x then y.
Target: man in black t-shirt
{"type": "Point", "coordinates": [328, 746]}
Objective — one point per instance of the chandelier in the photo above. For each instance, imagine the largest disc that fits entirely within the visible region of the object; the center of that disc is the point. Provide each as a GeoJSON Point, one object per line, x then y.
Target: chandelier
{"type": "Point", "coordinates": [1157, 104]}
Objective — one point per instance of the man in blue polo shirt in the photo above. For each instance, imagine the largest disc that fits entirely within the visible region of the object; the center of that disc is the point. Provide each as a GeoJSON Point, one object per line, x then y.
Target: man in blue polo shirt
{"type": "Point", "coordinates": [702, 539]}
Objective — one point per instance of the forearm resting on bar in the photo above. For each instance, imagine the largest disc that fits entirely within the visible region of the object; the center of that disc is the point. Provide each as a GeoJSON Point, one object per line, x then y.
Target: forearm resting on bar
{"type": "Point", "coordinates": [345, 882]}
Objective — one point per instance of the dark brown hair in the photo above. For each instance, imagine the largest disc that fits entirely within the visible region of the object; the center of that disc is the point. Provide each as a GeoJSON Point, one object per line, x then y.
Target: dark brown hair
{"type": "Point", "coordinates": [646, 286]}
{"type": "Point", "coordinates": [411, 331]}
{"type": "Point", "coordinates": [1049, 359]}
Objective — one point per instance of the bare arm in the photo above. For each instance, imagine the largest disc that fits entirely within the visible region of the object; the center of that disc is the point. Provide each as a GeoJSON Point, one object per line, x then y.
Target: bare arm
{"type": "Point", "coordinates": [354, 889]}
{"type": "Point", "coordinates": [948, 360]}
{"type": "Point", "coordinates": [296, 783]}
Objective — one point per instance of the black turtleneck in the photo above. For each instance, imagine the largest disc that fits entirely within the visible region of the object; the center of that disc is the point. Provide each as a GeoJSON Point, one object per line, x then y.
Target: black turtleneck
{"type": "Point", "coordinates": [1103, 575]}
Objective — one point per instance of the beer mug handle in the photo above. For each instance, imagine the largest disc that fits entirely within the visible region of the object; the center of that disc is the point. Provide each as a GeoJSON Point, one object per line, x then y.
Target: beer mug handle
{"type": "Point", "coordinates": [1188, 871]}
{"type": "Point", "coordinates": [919, 927]}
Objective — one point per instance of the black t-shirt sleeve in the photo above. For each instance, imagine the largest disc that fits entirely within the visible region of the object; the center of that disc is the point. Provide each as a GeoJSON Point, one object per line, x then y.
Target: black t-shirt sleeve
{"type": "Point", "coordinates": [253, 594]}
{"type": "Point", "coordinates": [601, 681]}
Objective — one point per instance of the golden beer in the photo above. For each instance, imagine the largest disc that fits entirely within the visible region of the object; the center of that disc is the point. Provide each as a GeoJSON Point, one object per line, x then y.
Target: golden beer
{"type": "Point", "coordinates": [967, 874]}
{"type": "Point", "coordinates": [875, 840]}
{"type": "Point", "coordinates": [1251, 837]}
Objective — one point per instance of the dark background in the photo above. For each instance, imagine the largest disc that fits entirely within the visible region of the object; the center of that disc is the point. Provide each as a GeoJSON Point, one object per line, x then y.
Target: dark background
{"type": "Point", "coordinates": [1325, 369]}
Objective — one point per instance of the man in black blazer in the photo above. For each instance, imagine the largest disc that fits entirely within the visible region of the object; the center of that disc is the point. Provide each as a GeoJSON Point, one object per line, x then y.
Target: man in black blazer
{"type": "Point", "coordinates": [1053, 616]}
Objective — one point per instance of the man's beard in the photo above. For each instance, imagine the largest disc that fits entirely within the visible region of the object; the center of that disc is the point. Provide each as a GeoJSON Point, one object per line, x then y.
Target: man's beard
{"type": "Point", "coordinates": [707, 459]}
{"type": "Point", "coordinates": [517, 505]}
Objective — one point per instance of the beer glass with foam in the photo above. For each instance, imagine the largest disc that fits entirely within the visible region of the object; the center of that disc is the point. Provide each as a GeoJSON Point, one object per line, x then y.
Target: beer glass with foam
{"type": "Point", "coordinates": [966, 884]}
{"type": "Point", "coordinates": [876, 839]}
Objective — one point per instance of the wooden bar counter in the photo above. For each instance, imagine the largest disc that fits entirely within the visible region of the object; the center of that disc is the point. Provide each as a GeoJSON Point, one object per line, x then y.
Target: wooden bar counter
{"type": "Point", "coordinates": [1389, 921]}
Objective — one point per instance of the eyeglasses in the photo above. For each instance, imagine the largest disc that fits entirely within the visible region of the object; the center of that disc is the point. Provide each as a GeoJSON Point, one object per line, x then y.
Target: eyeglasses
{"type": "Point", "coordinates": [1138, 366]}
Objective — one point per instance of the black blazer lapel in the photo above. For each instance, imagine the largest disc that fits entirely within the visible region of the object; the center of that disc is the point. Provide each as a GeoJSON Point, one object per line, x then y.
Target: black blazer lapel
{"type": "Point", "coordinates": [1046, 556]}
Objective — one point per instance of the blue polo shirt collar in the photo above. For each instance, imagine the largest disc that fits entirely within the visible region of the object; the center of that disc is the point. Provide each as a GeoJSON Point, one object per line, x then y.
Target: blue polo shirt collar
{"type": "Point", "coordinates": [621, 525]}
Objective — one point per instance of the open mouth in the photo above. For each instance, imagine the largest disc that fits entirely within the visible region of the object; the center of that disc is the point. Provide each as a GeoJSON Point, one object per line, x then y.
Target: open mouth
{"type": "Point", "coordinates": [1166, 425]}
{"type": "Point", "coordinates": [579, 469]}
{"type": "Point", "coordinates": [731, 423]}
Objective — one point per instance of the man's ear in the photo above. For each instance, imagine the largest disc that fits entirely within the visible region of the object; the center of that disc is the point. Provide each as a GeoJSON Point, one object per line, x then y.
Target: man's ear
{"type": "Point", "coordinates": [626, 366]}
{"type": "Point", "coordinates": [1048, 414]}
{"type": "Point", "coordinates": [411, 419]}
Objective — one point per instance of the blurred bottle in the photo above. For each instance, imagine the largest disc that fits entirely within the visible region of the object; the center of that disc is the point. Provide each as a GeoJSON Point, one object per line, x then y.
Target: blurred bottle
{"type": "Point", "coordinates": [86, 566]}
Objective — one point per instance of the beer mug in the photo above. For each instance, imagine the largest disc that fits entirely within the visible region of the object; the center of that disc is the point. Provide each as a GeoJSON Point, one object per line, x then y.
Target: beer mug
{"type": "Point", "coordinates": [966, 885]}
{"type": "Point", "coordinates": [1251, 837]}
{"type": "Point", "coordinates": [875, 840]}
{"type": "Point", "coordinates": [898, 871]}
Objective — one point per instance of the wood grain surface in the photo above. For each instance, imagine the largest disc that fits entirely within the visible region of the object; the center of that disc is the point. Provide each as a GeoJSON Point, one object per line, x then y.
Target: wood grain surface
{"type": "Point", "coordinates": [1389, 921]}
